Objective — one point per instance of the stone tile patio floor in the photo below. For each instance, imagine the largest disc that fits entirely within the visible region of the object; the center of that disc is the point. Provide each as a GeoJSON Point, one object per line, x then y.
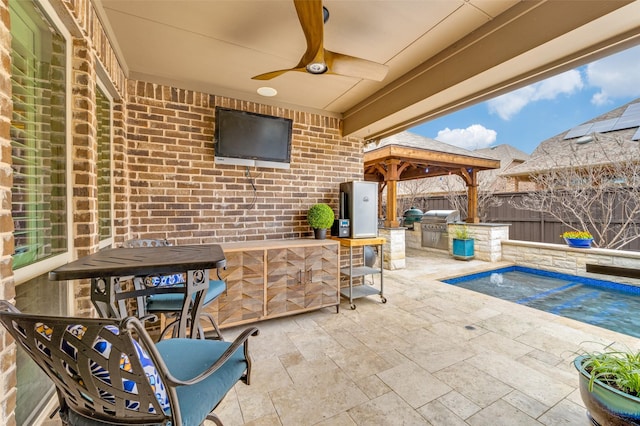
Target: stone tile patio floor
{"type": "Point", "coordinates": [434, 354]}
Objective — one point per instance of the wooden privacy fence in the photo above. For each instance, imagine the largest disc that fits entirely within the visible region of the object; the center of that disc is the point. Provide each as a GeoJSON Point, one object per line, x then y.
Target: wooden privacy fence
{"type": "Point", "coordinates": [526, 225]}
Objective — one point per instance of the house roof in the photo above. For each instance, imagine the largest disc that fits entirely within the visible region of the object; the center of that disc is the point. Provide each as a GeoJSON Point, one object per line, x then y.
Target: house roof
{"type": "Point", "coordinates": [413, 140]}
{"type": "Point", "coordinates": [441, 56]}
{"type": "Point", "coordinates": [587, 150]}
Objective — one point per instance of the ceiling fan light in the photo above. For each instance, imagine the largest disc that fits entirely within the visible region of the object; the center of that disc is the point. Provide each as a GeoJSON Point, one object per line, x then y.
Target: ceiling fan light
{"type": "Point", "coordinates": [317, 67]}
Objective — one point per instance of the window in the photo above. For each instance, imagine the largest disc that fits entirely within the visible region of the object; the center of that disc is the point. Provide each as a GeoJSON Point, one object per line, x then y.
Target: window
{"type": "Point", "coordinates": [104, 137]}
{"type": "Point", "coordinates": [40, 193]}
{"type": "Point", "coordinates": [38, 136]}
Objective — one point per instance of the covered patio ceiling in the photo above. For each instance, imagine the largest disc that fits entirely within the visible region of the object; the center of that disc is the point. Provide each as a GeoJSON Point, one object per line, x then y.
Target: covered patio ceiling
{"type": "Point", "coordinates": [441, 55]}
{"type": "Point", "coordinates": [406, 156]}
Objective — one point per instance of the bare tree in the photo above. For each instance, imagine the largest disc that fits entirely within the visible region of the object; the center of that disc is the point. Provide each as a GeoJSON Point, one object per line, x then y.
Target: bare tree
{"type": "Point", "coordinates": [595, 189]}
{"type": "Point", "coordinates": [455, 190]}
{"type": "Point", "coordinates": [412, 194]}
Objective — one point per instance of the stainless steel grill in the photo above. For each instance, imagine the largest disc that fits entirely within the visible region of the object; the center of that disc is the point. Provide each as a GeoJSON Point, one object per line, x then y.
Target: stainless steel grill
{"type": "Point", "coordinates": [434, 228]}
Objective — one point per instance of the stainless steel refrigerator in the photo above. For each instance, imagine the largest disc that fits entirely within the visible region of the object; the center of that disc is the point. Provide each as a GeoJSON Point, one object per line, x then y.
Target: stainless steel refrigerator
{"type": "Point", "coordinates": [359, 204]}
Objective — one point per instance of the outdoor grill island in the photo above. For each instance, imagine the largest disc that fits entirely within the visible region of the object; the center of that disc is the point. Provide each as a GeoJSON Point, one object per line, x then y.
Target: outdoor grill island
{"type": "Point", "coordinates": [434, 225]}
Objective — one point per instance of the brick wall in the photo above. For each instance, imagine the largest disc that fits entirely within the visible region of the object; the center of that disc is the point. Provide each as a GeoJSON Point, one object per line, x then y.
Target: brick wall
{"type": "Point", "coordinates": [179, 193]}
{"type": "Point", "coordinates": [84, 155]}
{"type": "Point", "coordinates": [165, 181]}
{"type": "Point", "coordinates": [7, 289]}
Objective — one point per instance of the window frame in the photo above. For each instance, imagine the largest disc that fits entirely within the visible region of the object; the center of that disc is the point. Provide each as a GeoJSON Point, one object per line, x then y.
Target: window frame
{"type": "Point", "coordinates": [38, 268]}
{"type": "Point", "coordinates": [105, 89]}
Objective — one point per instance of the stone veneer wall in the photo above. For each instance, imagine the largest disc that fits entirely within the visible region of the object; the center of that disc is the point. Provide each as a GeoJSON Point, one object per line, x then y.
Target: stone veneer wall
{"type": "Point", "coordinates": [394, 248]}
{"type": "Point", "coordinates": [564, 259]}
{"type": "Point", "coordinates": [487, 239]}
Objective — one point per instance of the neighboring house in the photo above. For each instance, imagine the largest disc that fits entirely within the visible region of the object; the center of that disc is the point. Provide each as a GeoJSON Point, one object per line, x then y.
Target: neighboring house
{"type": "Point", "coordinates": [604, 140]}
{"type": "Point", "coordinates": [510, 157]}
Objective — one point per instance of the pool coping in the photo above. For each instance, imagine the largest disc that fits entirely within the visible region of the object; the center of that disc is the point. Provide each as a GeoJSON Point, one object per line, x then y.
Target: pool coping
{"type": "Point", "coordinates": [588, 281]}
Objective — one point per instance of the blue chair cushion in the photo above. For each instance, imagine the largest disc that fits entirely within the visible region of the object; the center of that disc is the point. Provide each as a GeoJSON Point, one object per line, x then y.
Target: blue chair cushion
{"type": "Point", "coordinates": [171, 280]}
{"type": "Point", "coordinates": [172, 302]}
{"type": "Point", "coordinates": [185, 359]}
{"type": "Point", "coordinates": [103, 347]}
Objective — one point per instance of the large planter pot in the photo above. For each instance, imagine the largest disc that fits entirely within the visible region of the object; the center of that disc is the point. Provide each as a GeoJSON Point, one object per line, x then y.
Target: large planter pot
{"type": "Point", "coordinates": [606, 405]}
{"type": "Point", "coordinates": [579, 242]}
{"type": "Point", "coordinates": [463, 249]}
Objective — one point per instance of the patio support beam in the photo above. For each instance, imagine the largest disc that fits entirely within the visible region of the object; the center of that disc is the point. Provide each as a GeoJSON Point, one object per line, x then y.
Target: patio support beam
{"type": "Point", "coordinates": [462, 68]}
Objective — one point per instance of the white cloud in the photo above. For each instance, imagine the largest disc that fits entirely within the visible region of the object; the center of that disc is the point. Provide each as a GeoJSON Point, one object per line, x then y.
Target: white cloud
{"type": "Point", "coordinates": [617, 76]}
{"type": "Point", "coordinates": [473, 137]}
{"type": "Point", "coordinates": [508, 105]}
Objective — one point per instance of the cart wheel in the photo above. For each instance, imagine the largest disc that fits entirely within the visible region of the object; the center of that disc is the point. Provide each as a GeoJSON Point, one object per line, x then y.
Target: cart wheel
{"type": "Point", "coordinates": [353, 306]}
{"type": "Point", "coordinates": [384, 299]}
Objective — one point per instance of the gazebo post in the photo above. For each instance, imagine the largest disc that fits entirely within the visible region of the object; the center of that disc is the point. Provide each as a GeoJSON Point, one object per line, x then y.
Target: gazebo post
{"type": "Point", "coordinates": [392, 194]}
{"type": "Point", "coordinates": [391, 178]}
{"type": "Point", "coordinates": [470, 177]}
{"type": "Point", "coordinates": [472, 204]}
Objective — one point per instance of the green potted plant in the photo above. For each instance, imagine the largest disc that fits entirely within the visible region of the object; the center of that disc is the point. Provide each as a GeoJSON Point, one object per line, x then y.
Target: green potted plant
{"type": "Point", "coordinates": [463, 243]}
{"type": "Point", "coordinates": [577, 239]}
{"type": "Point", "coordinates": [320, 217]}
{"type": "Point", "coordinates": [610, 386]}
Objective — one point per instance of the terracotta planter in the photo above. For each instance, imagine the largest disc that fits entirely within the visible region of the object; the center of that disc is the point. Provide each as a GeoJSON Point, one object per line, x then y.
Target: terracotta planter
{"type": "Point", "coordinates": [606, 405]}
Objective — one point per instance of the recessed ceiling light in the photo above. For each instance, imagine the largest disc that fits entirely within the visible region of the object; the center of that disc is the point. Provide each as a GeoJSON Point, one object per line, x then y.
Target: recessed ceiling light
{"type": "Point", "coordinates": [267, 91]}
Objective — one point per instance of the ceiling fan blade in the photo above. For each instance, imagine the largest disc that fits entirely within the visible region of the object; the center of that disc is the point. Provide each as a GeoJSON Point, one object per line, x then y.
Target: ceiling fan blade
{"type": "Point", "coordinates": [311, 19]}
{"type": "Point", "coordinates": [316, 59]}
{"type": "Point", "coordinates": [274, 74]}
{"type": "Point", "coordinates": [355, 67]}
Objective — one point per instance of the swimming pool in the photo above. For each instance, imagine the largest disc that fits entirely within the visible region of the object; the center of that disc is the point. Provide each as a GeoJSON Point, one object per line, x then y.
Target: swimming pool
{"type": "Point", "coordinates": [603, 303]}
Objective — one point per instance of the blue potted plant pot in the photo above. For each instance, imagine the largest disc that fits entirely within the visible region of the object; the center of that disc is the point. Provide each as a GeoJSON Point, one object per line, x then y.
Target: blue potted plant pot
{"type": "Point", "coordinates": [605, 404]}
{"type": "Point", "coordinates": [463, 249]}
{"type": "Point", "coordinates": [579, 242]}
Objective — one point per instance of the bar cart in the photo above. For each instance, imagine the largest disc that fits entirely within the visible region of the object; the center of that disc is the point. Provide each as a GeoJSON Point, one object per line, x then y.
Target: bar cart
{"type": "Point", "coordinates": [355, 292]}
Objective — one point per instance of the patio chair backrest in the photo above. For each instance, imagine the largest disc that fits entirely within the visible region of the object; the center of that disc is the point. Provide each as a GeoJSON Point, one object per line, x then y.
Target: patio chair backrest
{"type": "Point", "coordinates": [99, 369]}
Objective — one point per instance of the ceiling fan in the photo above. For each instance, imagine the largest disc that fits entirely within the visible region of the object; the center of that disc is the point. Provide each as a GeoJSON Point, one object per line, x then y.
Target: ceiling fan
{"type": "Point", "coordinates": [317, 59]}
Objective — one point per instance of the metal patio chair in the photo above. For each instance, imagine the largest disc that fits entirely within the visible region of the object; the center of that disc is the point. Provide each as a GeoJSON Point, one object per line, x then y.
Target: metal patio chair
{"type": "Point", "coordinates": [170, 304]}
{"type": "Point", "coordinates": [109, 372]}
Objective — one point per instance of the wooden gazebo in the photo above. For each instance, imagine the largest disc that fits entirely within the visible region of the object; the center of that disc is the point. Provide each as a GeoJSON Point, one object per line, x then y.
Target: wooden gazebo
{"type": "Point", "coordinates": [407, 156]}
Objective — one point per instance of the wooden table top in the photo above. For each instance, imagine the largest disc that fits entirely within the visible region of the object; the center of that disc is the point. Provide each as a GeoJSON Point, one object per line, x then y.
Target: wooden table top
{"type": "Point", "coordinates": [357, 242]}
{"type": "Point", "coordinates": [142, 261]}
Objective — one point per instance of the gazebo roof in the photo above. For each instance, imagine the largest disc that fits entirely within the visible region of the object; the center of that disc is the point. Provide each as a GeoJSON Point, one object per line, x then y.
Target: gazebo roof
{"type": "Point", "coordinates": [406, 156]}
{"type": "Point", "coordinates": [421, 157]}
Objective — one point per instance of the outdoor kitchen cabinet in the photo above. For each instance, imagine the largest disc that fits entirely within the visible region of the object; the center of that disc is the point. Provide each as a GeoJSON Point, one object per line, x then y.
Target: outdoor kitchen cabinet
{"type": "Point", "coordinates": [361, 270]}
{"type": "Point", "coordinates": [301, 278]}
{"type": "Point", "coordinates": [269, 279]}
{"type": "Point", "coordinates": [243, 300]}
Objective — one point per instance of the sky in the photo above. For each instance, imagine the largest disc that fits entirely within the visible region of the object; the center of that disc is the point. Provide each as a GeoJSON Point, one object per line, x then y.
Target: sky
{"type": "Point", "coordinates": [527, 116]}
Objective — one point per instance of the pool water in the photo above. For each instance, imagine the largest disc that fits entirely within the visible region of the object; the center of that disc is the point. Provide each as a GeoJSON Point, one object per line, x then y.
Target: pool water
{"type": "Point", "coordinates": [603, 303]}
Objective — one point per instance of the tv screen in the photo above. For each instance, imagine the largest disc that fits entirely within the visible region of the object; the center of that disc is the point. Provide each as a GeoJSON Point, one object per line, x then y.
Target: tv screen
{"type": "Point", "coordinates": [249, 139]}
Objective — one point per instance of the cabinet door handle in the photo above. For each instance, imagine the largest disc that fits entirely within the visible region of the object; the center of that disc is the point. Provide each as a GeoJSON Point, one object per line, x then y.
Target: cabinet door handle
{"type": "Point", "coordinates": [310, 280]}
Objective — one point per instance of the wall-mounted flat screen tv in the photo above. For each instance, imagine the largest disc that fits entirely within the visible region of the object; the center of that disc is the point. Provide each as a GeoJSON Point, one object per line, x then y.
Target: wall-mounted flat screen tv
{"type": "Point", "coordinates": [249, 139]}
